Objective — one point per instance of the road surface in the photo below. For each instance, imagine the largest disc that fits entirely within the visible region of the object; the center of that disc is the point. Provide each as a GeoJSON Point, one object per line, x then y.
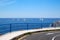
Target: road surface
{"type": "Point", "coordinates": [52, 35]}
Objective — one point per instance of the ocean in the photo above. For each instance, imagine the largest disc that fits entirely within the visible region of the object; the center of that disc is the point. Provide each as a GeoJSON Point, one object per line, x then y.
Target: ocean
{"type": "Point", "coordinates": [15, 24]}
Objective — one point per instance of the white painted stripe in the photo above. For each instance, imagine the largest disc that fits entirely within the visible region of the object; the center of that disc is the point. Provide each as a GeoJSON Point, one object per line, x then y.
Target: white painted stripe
{"type": "Point", "coordinates": [55, 37]}
{"type": "Point", "coordinates": [49, 33]}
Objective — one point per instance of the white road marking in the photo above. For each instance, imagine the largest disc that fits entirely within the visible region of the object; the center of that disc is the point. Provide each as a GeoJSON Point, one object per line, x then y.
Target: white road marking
{"type": "Point", "coordinates": [55, 37]}
{"type": "Point", "coordinates": [49, 33]}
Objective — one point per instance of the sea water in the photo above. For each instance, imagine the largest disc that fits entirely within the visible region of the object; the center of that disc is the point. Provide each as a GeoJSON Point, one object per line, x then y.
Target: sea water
{"type": "Point", "coordinates": [15, 24]}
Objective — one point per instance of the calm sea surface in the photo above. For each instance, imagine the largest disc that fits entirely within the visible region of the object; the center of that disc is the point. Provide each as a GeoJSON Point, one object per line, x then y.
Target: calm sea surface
{"type": "Point", "coordinates": [14, 24]}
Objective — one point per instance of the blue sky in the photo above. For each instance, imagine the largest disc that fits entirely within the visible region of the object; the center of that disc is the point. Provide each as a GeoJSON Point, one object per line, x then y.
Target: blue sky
{"type": "Point", "coordinates": [30, 9]}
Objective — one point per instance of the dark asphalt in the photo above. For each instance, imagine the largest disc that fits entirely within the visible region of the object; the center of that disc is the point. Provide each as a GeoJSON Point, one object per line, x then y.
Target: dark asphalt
{"type": "Point", "coordinates": [55, 35]}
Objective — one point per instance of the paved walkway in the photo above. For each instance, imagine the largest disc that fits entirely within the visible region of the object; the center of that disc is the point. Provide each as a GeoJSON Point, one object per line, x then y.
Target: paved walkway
{"type": "Point", "coordinates": [11, 35]}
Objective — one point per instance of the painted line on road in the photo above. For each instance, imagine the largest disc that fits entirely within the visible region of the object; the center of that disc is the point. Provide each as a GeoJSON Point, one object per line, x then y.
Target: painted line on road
{"type": "Point", "coordinates": [55, 37]}
{"type": "Point", "coordinates": [49, 33]}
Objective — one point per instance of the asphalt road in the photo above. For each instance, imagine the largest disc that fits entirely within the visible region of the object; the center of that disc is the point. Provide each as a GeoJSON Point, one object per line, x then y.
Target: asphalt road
{"type": "Point", "coordinates": [55, 35]}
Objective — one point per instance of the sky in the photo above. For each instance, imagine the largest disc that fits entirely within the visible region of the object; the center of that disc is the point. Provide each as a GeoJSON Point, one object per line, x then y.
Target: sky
{"type": "Point", "coordinates": [29, 8]}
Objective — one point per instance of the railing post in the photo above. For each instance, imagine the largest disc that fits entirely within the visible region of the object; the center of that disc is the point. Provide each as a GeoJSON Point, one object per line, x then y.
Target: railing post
{"type": "Point", "coordinates": [10, 27]}
{"type": "Point", "coordinates": [27, 26]}
{"type": "Point", "coordinates": [41, 25]}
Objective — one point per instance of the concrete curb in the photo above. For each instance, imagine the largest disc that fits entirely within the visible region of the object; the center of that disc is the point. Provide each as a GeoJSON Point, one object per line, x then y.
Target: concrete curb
{"type": "Point", "coordinates": [11, 35]}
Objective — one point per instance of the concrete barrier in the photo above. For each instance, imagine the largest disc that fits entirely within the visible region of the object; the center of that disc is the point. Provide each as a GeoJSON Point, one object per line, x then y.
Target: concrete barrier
{"type": "Point", "coordinates": [11, 35]}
